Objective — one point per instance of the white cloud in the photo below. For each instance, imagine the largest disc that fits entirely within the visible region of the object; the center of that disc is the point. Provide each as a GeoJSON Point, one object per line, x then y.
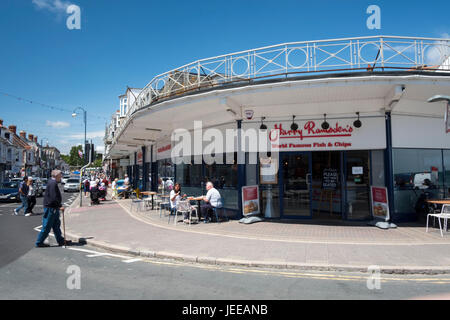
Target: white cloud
{"type": "Point", "coordinates": [58, 7]}
{"type": "Point", "coordinates": [100, 149]}
{"type": "Point", "coordinates": [57, 124]}
{"type": "Point", "coordinates": [437, 53]}
{"type": "Point", "coordinates": [89, 135]}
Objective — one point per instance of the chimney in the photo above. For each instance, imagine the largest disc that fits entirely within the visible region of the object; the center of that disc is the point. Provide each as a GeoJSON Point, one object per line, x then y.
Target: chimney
{"type": "Point", "coordinates": [23, 134]}
{"type": "Point", "coordinates": [13, 129]}
{"type": "Point", "coordinates": [36, 139]}
{"type": "Point", "coordinates": [1, 123]}
{"type": "Point", "coordinates": [31, 137]}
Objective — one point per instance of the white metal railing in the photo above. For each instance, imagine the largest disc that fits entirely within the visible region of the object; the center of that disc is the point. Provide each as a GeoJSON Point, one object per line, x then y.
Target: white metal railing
{"type": "Point", "coordinates": [380, 53]}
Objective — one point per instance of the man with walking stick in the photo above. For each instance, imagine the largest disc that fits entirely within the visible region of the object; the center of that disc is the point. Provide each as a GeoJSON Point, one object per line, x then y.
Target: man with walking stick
{"type": "Point", "coordinates": [52, 208]}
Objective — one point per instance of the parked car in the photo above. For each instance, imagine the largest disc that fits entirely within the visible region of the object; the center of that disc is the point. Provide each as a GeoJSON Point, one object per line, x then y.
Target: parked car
{"type": "Point", "coordinates": [39, 188]}
{"type": "Point", "coordinates": [9, 191]}
{"type": "Point", "coordinates": [65, 178]}
{"type": "Point", "coordinates": [44, 184]}
{"type": "Point", "coordinates": [72, 185]}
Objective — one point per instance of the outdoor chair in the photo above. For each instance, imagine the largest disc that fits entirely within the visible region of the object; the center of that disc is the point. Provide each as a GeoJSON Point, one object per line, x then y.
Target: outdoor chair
{"type": "Point", "coordinates": [136, 203]}
{"type": "Point", "coordinates": [221, 210]}
{"type": "Point", "coordinates": [444, 214]}
{"type": "Point", "coordinates": [182, 208]}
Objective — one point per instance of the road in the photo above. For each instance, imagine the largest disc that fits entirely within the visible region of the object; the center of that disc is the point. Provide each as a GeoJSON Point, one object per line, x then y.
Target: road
{"type": "Point", "coordinates": [83, 272]}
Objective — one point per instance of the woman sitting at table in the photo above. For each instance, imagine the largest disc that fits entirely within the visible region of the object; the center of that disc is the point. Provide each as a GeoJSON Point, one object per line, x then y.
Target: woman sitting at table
{"type": "Point", "coordinates": [175, 197]}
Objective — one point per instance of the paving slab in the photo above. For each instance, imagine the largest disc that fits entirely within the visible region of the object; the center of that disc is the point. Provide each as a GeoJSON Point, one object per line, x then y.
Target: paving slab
{"type": "Point", "coordinates": [303, 245]}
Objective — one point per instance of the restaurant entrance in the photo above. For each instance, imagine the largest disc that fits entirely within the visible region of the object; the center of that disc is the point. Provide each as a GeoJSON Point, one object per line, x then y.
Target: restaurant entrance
{"type": "Point", "coordinates": [328, 185]}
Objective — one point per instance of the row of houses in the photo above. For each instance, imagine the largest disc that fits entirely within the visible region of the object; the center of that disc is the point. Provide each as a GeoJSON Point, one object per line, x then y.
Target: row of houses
{"type": "Point", "coordinates": [22, 154]}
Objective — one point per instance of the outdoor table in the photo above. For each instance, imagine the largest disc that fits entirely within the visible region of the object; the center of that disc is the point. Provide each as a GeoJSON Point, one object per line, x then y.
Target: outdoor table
{"type": "Point", "coordinates": [150, 193]}
{"type": "Point", "coordinates": [198, 199]}
{"type": "Point", "coordinates": [439, 201]}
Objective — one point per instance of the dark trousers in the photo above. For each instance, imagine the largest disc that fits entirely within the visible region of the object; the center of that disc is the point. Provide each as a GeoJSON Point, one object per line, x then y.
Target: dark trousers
{"type": "Point", "coordinates": [50, 221]}
{"type": "Point", "coordinates": [31, 204]}
{"type": "Point", "coordinates": [206, 210]}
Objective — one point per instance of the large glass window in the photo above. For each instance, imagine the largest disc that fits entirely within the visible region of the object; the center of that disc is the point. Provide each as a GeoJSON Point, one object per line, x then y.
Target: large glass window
{"type": "Point", "coordinates": [416, 170]}
{"type": "Point", "coordinates": [447, 173]}
{"type": "Point", "coordinates": [358, 185]}
{"type": "Point", "coordinates": [166, 175]}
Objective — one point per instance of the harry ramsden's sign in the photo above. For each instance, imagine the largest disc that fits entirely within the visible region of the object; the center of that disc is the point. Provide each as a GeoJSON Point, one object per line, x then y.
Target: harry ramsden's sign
{"type": "Point", "coordinates": [165, 148]}
{"type": "Point", "coordinates": [337, 136]}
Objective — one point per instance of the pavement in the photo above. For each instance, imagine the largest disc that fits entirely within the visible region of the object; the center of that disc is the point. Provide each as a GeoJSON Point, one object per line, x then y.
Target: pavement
{"type": "Point", "coordinates": [301, 245]}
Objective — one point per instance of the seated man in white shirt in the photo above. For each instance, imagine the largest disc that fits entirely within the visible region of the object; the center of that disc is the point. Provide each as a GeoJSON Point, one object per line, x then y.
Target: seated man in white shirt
{"type": "Point", "coordinates": [212, 200]}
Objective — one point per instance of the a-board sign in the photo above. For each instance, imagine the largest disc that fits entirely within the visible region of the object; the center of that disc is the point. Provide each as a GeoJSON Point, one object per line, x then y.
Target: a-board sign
{"type": "Point", "coordinates": [380, 203]}
{"type": "Point", "coordinates": [250, 200]}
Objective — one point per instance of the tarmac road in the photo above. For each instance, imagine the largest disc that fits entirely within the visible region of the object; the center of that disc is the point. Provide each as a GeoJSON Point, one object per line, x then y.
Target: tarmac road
{"type": "Point", "coordinates": [46, 273]}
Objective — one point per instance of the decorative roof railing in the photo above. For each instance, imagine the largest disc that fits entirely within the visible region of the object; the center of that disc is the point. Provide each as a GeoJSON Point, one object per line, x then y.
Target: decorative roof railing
{"type": "Point", "coordinates": [380, 53]}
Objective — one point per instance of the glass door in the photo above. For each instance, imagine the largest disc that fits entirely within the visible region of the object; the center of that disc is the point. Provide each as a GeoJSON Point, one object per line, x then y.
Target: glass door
{"type": "Point", "coordinates": [358, 185]}
{"type": "Point", "coordinates": [295, 185]}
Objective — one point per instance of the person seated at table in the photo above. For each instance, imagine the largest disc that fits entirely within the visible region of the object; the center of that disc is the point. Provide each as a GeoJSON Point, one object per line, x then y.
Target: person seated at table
{"type": "Point", "coordinates": [175, 197]}
{"type": "Point", "coordinates": [212, 200]}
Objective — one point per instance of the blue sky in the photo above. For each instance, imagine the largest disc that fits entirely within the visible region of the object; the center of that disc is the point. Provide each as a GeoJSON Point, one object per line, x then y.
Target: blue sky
{"type": "Point", "coordinates": [126, 43]}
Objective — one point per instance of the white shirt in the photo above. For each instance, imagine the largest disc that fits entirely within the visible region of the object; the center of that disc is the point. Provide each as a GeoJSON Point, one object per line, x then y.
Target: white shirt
{"type": "Point", "coordinates": [213, 196]}
{"type": "Point", "coordinates": [173, 204]}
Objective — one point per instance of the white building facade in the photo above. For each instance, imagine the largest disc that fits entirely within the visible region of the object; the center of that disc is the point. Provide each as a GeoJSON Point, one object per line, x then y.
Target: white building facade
{"type": "Point", "coordinates": [331, 108]}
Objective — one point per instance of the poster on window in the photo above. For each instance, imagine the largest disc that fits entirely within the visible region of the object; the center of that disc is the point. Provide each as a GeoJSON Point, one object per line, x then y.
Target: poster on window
{"type": "Point", "coordinates": [250, 200]}
{"type": "Point", "coordinates": [268, 171]}
{"type": "Point", "coordinates": [380, 204]}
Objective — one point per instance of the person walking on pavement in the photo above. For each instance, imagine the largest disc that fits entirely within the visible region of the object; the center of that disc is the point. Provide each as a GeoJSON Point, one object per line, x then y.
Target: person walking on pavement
{"type": "Point", "coordinates": [23, 192]}
{"type": "Point", "coordinates": [31, 197]}
{"type": "Point", "coordinates": [52, 208]}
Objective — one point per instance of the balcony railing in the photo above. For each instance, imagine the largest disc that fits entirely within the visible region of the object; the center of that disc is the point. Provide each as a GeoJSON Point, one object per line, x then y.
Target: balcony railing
{"type": "Point", "coordinates": [382, 53]}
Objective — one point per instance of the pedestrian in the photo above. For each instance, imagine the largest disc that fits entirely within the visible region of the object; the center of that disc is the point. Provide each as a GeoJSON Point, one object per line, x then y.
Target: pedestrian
{"type": "Point", "coordinates": [31, 197]}
{"type": "Point", "coordinates": [52, 208]}
{"type": "Point", "coordinates": [23, 192]}
{"type": "Point", "coordinates": [86, 187]}
{"type": "Point", "coordinates": [114, 189]}
{"type": "Point", "coordinates": [212, 200]}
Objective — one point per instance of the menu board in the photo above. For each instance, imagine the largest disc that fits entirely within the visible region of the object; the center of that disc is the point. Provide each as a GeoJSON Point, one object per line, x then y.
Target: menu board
{"type": "Point", "coordinates": [380, 204]}
{"type": "Point", "coordinates": [330, 178]}
{"type": "Point", "coordinates": [268, 171]}
{"type": "Point", "coordinates": [250, 200]}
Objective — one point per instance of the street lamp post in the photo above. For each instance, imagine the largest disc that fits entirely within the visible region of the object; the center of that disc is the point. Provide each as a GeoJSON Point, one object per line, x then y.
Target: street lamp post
{"type": "Point", "coordinates": [74, 114]}
{"type": "Point", "coordinates": [44, 156]}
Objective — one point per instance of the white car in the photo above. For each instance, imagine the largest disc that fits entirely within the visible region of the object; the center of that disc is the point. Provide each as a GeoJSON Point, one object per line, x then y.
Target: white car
{"type": "Point", "coordinates": [64, 179]}
{"type": "Point", "coordinates": [72, 185]}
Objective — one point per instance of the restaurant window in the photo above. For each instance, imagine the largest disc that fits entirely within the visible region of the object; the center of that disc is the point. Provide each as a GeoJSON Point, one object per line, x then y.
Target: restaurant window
{"type": "Point", "coordinates": [189, 174]}
{"type": "Point", "coordinates": [225, 179]}
{"type": "Point", "coordinates": [447, 173]}
{"type": "Point", "coordinates": [166, 175]}
{"type": "Point", "coordinates": [416, 171]}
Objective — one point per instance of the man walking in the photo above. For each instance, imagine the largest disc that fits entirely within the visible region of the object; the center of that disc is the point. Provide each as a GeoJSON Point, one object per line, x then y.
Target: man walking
{"type": "Point", "coordinates": [52, 207]}
{"type": "Point", "coordinates": [23, 192]}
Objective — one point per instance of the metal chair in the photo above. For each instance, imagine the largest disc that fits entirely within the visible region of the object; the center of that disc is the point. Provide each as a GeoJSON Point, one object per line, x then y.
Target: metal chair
{"type": "Point", "coordinates": [182, 208]}
{"type": "Point", "coordinates": [445, 214]}
{"type": "Point", "coordinates": [137, 203]}
{"type": "Point", "coordinates": [221, 209]}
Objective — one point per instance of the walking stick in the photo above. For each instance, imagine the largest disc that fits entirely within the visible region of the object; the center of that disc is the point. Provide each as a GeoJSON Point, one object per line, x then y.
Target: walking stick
{"type": "Point", "coordinates": [64, 228]}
